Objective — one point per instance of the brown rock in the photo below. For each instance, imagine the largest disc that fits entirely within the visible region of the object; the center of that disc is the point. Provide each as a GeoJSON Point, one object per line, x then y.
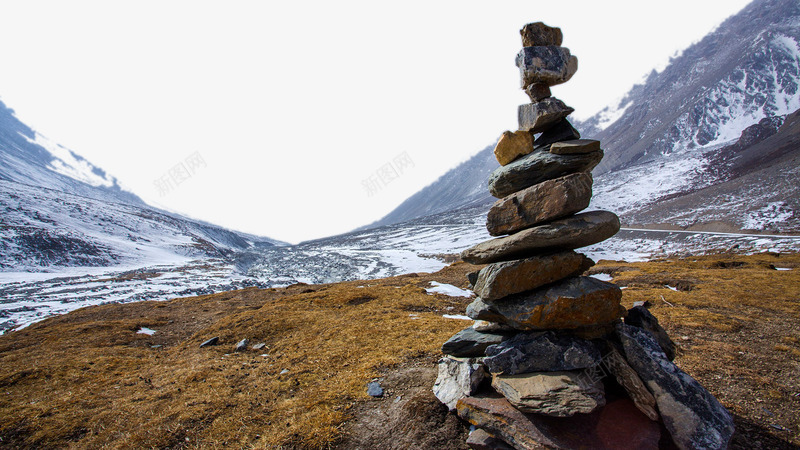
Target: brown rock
{"type": "Point", "coordinates": [575, 147]}
{"type": "Point", "coordinates": [537, 117]}
{"type": "Point", "coordinates": [630, 381]}
{"type": "Point", "coordinates": [548, 64]}
{"type": "Point", "coordinates": [557, 394]}
{"type": "Point", "coordinates": [536, 167]}
{"type": "Point", "coordinates": [570, 303]}
{"type": "Point", "coordinates": [538, 91]}
{"type": "Point", "coordinates": [551, 199]}
{"type": "Point", "coordinates": [540, 34]}
{"type": "Point", "coordinates": [502, 279]}
{"type": "Point", "coordinates": [568, 233]}
{"type": "Point", "coordinates": [481, 440]}
{"type": "Point", "coordinates": [619, 425]}
{"type": "Point", "coordinates": [512, 145]}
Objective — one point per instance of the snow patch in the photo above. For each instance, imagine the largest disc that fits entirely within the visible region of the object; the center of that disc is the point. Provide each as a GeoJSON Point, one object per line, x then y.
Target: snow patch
{"type": "Point", "coordinates": [145, 330]}
{"type": "Point", "coordinates": [67, 163]}
{"type": "Point", "coordinates": [602, 276]}
{"type": "Point", "coordinates": [448, 289]}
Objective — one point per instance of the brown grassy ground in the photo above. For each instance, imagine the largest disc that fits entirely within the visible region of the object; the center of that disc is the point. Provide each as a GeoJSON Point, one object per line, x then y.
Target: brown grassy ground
{"type": "Point", "coordinates": [87, 380]}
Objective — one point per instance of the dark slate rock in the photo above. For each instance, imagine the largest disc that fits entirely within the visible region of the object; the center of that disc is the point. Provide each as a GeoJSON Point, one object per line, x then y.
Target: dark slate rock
{"type": "Point", "coordinates": [694, 418]}
{"type": "Point", "coordinates": [540, 352]}
{"type": "Point", "coordinates": [546, 64]}
{"type": "Point", "coordinates": [536, 167]}
{"type": "Point", "coordinates": [481, 440]}
{"type": "Point", "coordinates": [640, 317]}
{"type": "Point", "coordinates": [210, 342]}
{"type": "Point", "coordinates": [471, 343]}
{"type": "Point", "coordinates": [568, 233]}
{"type": "Point", "coordinates": [560, 131]}
{"type": "Point", "coordinates": [538, 91]}
{"type": "Point", "coordinates": [374, 389]}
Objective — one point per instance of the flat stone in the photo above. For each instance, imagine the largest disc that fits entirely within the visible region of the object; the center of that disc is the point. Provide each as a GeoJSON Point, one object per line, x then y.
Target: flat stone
{"type": "Point", "coordinates": [575, 147]}
{"type": "Point", "coordinates": [539, 116]}
{"type": "Point", "coordinates": [537, 91]}
{"type": "Point", "coordinates": [630, 381]}
{"type": "Point", "coordinates": [491, 327]}
{"type": "Point", "coordinates": [694, 418]}
{"type": "Point", "coordinates": [538, 352]}
{"type": "Point", "coordinates": [618, 425]}
{"type": "Point", "coordinates": [557, 394]}
{"type": "Point", "coordinates": [640, 317]}
{"type": "Point", "coordinates": [512, 145]}
{"type": "Point", "coordinates": [458, 378]}
{"type": "Point", "coordinates": [538, 166]}
{"type": "Point", "coordinates": [538, 33]}
{"type": "Point", "coordinates": [481, 440]}
{"type": "Point", "coordinates": [242, 345]}
{"type": "Point", "coordinates": [557, 132]}
{"type": "Point", "coordinates": [548, 200]}
{"type": "Point", "coordinates": [502, 279]}
{"type": "Point", "coordinates": [374, 389]}
{"type": "Point", "coordinates": [470, 342]}
{"type": "Point", "coordinates": [568, 233]}
{"type": "Point", "coordinates": [570, 303]}
{"type": "Point", "coordinates": [546, 64]}
{"type": "Point", "coordinates": [210, 342]}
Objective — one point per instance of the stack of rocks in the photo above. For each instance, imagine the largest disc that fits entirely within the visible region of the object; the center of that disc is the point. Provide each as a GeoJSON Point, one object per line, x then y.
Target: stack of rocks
{"type": "Point", "coordinates": [565, 370]}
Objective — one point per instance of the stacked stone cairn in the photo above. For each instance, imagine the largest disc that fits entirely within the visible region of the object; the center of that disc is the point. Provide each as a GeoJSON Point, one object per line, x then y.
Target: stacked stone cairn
{"type": "Point", "coordinates": [565, 370]}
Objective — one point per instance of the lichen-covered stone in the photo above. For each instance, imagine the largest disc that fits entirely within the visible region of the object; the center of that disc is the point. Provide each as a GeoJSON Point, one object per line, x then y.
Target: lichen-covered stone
{"type": "Point", "coordinates": [548, 200]}
{"type": "Point", "coordinates": [557, 394]}
{"type": "Point", "coordinates": [547, 64]}
{"type": "Point", "coordinates": [505, 278]}
{"type": "Point", "coordinates": [537, 117]}
{"type": "Point", "coordinates": [568, 233]}
{"type": "Point", "coordinates": [570, 303]}
{"type": "Point", "coordinates": [512, 145]}
{"type": "Point", "coordinates": [538, 33]}
{"type": "Point", "coordinates": [538, 166]}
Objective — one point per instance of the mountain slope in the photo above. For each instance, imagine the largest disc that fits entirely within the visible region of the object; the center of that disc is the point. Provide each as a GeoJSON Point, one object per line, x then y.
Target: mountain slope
{"type": "Point", "coordinates": [670, 136]}
{"type": "Point", "coordinates": [59, 210]}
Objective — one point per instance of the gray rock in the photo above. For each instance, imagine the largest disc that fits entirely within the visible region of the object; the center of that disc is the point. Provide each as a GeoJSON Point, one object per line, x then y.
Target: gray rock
{"type": "Point", "coordinates": [541, 352]}
{"type": "Point", "coordinates": [210, 342]}
{"type": "Point", "coordinates": [568, 304]}
{"type": "Point", "coordinates": [559, 131]}
{"type": "Point", "coordinates": [458, 378]}
{"type": "Point", "coordinates": [630, 381]}
{"type": "Point", "coordinates": [539, 116]}
{"type": "Point", "coordinates": [568, 233]}
{"type": "Point", "coordinates": [575, 147]}
{"type": "Point", "coordinates": [470, 342]}
{"type": "Point", "coordinates": [374, 389]}
{"type": "Point", "coordinates": [242, 345]}
{"type": "Point", "coordinates": [259, 346]}
{"type": "Point", "coordinates": [542, 202]}
{"type": "Point", "coordinates": [538, 33]}
{"type": "Point", "coordinates": [538, 91]}
{"type": "Point", "coordinates": [481, 440]}
{"type": "Point", "coordinates": [502, 279]}
{"type": "Point", "coordinates": [640, 317]}
{"type": "Point", "coordinates": [694, 418]}
{"type": "Point", "coordinates": [536, 167]}
{"type": "Point", "coordinates": [557, 394]}
{"type": "Point", "coordinates": [546, 64]}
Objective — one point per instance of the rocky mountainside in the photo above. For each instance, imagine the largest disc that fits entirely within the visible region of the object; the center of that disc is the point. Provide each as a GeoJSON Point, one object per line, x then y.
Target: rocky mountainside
{"type": "Point", "coordinates": [669, 137]}
{"type": "Point", "coordinates": [60, 210]}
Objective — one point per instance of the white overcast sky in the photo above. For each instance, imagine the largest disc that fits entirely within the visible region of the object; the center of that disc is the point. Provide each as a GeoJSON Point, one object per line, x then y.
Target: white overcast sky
{"type": "Point", "coordinates": [294, 105]}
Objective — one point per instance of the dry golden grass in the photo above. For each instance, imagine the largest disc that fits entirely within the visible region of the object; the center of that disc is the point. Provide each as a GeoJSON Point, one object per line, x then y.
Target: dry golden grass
{"type": "Point", "coordinates": [87, 380]}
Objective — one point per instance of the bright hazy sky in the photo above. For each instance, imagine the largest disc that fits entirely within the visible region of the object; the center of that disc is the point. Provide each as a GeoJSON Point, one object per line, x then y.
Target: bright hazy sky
{"type": "Point", "coordinates": [286, 111]}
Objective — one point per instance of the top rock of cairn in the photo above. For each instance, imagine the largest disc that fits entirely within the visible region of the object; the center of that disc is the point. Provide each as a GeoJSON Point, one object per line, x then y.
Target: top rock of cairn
{"type": "Point", "coordinates": [535, 34]}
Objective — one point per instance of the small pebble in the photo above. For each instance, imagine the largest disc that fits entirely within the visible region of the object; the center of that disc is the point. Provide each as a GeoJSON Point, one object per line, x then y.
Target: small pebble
{"type": "Point", "coordinates": [212, 341]}
{"type": "Point", "coordinates": [374, 389]}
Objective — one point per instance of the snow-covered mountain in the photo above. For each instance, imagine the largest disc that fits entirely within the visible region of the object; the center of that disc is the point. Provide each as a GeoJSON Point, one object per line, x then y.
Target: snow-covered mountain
{"type": "Point", "coordinates": [677, 135]}
{"type": "Point", "coordinates": [59, 210]}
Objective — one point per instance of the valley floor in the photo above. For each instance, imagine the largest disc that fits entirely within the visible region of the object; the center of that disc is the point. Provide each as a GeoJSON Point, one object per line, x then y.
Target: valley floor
{"type": "Point", "coordinates": [95, 377]}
